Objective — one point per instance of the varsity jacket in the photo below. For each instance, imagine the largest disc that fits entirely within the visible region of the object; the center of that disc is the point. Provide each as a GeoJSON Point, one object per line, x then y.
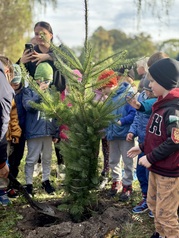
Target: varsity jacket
{"type": "Point", "coordinates": [161, 144]}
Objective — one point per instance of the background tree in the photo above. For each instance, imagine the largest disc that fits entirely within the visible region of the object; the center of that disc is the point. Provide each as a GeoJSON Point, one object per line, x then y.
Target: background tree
{"type": "Point", "coordinates": [107, 42]}
{"type": "Point", "coordinates": [16, 21]}
{"type": "Point", "coordinates": [171, 47]}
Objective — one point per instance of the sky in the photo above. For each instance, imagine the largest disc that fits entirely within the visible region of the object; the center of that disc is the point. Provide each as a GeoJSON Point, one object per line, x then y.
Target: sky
{"type": "Point", "coordinates": [67, 20]}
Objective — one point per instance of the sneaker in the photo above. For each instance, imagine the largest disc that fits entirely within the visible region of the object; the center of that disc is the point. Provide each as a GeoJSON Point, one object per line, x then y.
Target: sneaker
{"type": "Point", "coordinates": [156, 235]}
{"type": "Point", "coordinates": [141, 207]}
{"type": "Point", "coordinates": [115, 188]}
{"type": "Point", "coordinates": [12, 193]}
{"type": "Point", "coordinates": [37, 169]}
{"type": "Point", "coordinates": [151, 214]}
{"type": "Point", "coordinates": [104, 182]}
{"type": "Point", "coordinates": [29, 189]}
{"type": "Point", "coordinates": [4, 200]}
{"type": "Point", "coordinates": [48, 187]}
{"type": "Point", "coordinates": [126, 193]}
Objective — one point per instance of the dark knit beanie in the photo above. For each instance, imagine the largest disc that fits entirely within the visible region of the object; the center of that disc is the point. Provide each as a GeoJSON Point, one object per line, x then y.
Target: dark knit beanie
{"type": "Point", "coordinates": [166, 73]}
{"type": "Point", "coordinates": [146, 84]}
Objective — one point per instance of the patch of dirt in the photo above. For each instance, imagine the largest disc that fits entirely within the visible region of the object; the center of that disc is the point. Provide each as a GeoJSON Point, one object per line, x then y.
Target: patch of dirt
{"type": "Point", "coordinates": [106, 222]}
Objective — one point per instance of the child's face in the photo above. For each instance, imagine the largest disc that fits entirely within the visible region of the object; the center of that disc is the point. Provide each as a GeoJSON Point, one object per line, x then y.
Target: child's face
{"type": "Point", "coordinates": [43, 84]}
{"type": "Point", "coordinates": [15, 86]}
{"type": "Point", "coordinates": [106, 90]}
{"type": "Point", "coordinates": [157, 89]}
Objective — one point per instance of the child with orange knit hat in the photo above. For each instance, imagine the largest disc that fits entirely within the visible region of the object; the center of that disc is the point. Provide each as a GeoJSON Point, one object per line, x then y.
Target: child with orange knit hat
{"type": "Point", "coordinates": [116, 134]}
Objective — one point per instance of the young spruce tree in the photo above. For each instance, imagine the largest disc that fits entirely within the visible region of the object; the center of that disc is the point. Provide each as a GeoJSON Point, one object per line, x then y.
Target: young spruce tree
{"type": "Point", "coordinates": [85, 119]}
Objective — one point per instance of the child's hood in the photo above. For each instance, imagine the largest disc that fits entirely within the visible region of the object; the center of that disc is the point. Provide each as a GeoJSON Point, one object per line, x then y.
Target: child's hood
{"type": "Point", "coordinates": [124, 88]}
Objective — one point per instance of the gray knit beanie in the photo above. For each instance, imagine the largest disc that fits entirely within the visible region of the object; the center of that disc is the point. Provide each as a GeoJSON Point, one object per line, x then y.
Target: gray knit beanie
{"type": "Point", "coordinates": [166, 73]}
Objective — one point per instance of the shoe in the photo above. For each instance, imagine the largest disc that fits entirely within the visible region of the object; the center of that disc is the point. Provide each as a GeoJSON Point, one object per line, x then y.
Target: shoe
{"type": "Point", "coordinates": [48, 187]}
{"type": "Point", "coordinates": [156, 235]}
{"type": "Point", "coordinates": [29, 189]}
{"type": "Point", "coordinates": [37, 169]}
{"type": "Point", "coordinates": [126, 193]}
{"type": "Point", "coordinates": [141, 207]}
{"type": "Point", "coordinates": [115, 188]}
{"type": "Point", "coordinates": [4, 200]}
{"type": "Point", "coordinates": [151, 214]}
{"type": "Point", "coordinates": [104, 182]}
{"type": "Point", "coordinates": [105, 173]}
{"type": "Point", "coordinates": [12, 193]}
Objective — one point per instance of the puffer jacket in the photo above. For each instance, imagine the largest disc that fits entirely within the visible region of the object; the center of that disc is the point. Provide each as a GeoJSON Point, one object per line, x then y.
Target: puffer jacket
{"type": "Point", "coordinates": [37, 125]}
{"type": "Point", "coordinates": [138, 127]}
{"type": "Point", "coordinates": [125, 113]}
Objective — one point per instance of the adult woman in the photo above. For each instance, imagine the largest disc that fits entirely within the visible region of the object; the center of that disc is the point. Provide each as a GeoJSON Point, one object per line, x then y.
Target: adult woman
{"type": "Point", "coordinates": [41, 53]}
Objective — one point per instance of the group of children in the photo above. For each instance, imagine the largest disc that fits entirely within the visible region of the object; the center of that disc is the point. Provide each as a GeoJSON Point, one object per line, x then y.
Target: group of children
{"type": "Point", "coordinates": [29, 124]}
{"type": "Point", "coordinates": [156, 125]}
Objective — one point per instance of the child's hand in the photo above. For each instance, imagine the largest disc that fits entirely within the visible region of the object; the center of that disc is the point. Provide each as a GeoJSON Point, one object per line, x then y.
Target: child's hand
{"type": "Point", "coordinates": [130, 137]}
{"type": "Point", "coordinates": [131, 99]}
{"type": "Point", "coordinates": [144, 161]}
{"type": "Point", "coordinates": [43, 86]}
{"type": "Point", "coordinates": [134, 151]}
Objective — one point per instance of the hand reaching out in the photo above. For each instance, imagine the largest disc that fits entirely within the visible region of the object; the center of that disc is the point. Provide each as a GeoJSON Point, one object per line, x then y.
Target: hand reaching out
{"type": "Point", "coordinates": [134, 151]}
{"type": "Point", "coordinates": [131, 99]}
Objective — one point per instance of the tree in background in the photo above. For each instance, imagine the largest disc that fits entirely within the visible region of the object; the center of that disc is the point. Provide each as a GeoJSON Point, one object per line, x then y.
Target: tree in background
{"type": "Point", "coordinates": [16, 19]}
{"type": "Point", "coordinates": [171, 47]}
{"type": "Point", "coordinates": [106, 42]}
{"type": "Point", "coordinates": [17, 23]}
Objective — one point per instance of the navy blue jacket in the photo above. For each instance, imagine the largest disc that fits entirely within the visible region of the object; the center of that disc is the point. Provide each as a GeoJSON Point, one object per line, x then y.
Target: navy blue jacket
{"type": "Point", "coordinates": [37, 125]}
{"type": "Point", "coordinates": [138, 127]}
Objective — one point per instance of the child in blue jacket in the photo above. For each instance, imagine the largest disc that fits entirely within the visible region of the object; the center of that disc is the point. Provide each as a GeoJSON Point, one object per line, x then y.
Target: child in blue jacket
{"type": "Point", "coordinates": [40, 131]}
{"type": "Point", "coordinates": [116, 135]}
